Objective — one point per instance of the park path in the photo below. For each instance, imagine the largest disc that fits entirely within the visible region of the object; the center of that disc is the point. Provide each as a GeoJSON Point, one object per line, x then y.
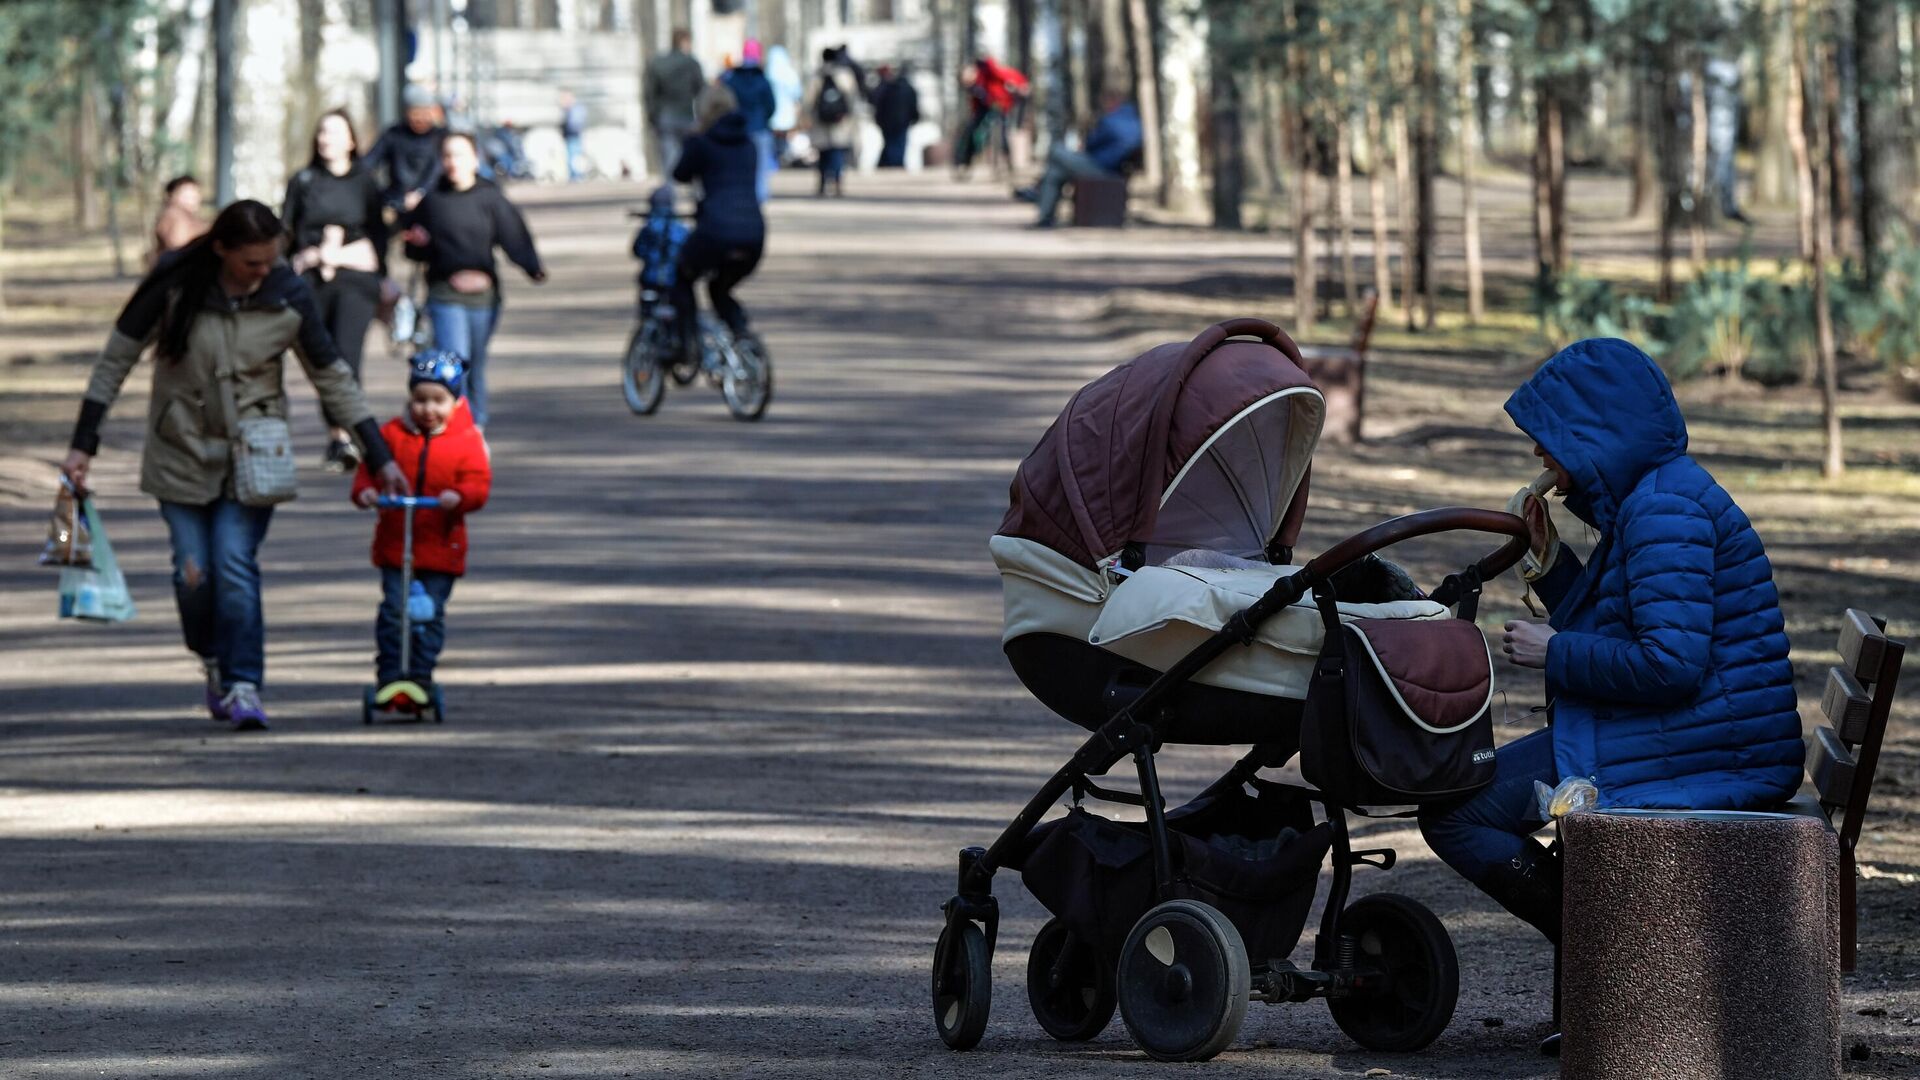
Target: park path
{"type": "Point", "coordinates": [724, 701]}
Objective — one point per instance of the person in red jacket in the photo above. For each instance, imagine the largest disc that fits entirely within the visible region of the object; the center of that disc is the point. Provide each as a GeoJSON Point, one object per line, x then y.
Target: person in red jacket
{"type": "Point", "coordinates": [446, 457]}
{"type": "Point", "coordinates": [993, 90]}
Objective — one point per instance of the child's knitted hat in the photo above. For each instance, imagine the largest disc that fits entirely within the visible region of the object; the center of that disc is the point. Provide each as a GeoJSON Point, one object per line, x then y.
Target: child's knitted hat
{"type": "Point", "coordinates": [439, 366]}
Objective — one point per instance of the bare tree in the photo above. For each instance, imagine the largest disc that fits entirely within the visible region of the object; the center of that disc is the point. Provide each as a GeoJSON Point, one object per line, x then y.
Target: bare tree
{"type": "Point", "coordinates": [1146, 90]}
{"type": "Point", "coordinates": [1223, 93]}
{"type": "Point", "coordinates": [1808, 130]}
{"type": "Point", "coordinates": [1883, 137]}
{"type": "Point", "coordinates": [1403, 160]}
{"type": "Point", "coordinates": [1469, 152]}
{"type": "Point", "coordinates": [1426, 159]}
{"type": "Point", "coordinates": [1377, 196]}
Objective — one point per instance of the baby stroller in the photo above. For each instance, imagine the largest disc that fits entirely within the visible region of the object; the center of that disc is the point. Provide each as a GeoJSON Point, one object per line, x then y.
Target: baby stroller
{"type": "Point", "coordinates": [1151, 598]}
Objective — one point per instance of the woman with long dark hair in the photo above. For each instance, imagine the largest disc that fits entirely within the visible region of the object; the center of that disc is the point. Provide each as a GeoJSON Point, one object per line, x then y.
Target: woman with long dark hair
{"type": "Point", "coordinates": [337, 240]}
{"type": "Point", "coordinates": [221, 315]}
{"type": "Point", "coordinates": [454, 231]}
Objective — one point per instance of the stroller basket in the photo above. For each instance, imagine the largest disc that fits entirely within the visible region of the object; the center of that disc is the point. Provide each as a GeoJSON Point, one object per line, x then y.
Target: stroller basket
{"type": "Point", "coordinates": [1255, 857]}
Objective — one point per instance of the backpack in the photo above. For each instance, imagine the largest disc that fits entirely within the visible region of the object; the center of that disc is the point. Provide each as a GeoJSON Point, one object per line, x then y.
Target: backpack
{"type": "Point", "coordinates": [832, 105]}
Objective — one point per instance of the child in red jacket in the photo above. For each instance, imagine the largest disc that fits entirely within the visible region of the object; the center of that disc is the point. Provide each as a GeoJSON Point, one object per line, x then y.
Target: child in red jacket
{"type": "Point", "coordinates": [444, 455]}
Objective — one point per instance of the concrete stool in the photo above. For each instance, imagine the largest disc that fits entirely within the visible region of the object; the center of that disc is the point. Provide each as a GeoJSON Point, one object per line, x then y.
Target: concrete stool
{"type": "Point", "coordinates": [1100, 201]}
{"type": "Point", "coordinates": [1699, 944]}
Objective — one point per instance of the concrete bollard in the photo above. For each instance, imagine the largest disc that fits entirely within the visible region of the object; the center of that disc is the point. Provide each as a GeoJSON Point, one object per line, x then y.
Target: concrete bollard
{"type": "Point", "coordinates": [1700, 945]}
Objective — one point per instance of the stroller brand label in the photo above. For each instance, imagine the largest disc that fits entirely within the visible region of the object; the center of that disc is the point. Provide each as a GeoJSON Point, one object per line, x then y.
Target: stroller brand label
{"type": "Point", "coordinates": [1482, 755]}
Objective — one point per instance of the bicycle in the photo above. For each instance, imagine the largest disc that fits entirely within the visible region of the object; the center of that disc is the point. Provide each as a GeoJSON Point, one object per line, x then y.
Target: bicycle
{"type": "Point", "coordinates": [737, 364]}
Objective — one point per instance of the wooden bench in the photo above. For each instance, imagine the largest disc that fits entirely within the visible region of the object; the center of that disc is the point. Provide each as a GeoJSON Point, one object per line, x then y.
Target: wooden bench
{"type": "Point", "coordinates": [1843, 753]}
{"type": "Point", "coordinates": [1342, 378]}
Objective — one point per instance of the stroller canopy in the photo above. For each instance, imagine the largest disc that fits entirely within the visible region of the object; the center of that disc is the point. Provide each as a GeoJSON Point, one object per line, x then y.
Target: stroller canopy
{"type": "Point", "coordinates": [1197, 445]}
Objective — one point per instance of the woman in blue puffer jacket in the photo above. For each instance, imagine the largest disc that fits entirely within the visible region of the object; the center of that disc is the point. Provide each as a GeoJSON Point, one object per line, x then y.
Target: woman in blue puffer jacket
{"type": "Point", "coordinates": [1666, 654]}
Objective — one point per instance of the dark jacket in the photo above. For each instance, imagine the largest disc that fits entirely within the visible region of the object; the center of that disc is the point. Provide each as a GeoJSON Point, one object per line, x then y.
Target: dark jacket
{"type": "Point", "coordinates": [410, 160]}
{"type": "Point", "coordinates": [1668, 670]}
{"type": "Point", "coordinates": [463, 228]}
{"type": "Point", "coordinates": [187, 456]}
{"type": "Point", "coordinates": [1117, 137]}
{"type": "Point", "coordinates": [674, 80]}
{"type": "Point", "coordinates": [896, 105]}
{"type": "Point", "coordinates": [316, 199]}
{"type": "Point", "coordinates": [755, 93]}
{"type": "Point", "coordinates": [724, 162]}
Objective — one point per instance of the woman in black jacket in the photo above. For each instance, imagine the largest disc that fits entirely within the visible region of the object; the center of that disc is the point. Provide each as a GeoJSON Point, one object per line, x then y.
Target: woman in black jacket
{"type": "Point", "coordinates": [454, 231]}
{"type": "Point", "coordinates": [729, 234]}
{"type": "Point", "coordinates": [338, 242]}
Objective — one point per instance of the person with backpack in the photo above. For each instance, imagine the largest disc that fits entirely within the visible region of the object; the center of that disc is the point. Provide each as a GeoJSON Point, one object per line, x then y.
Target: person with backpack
{"type": "Point", "coordinates": [830, 104]}
{"type": "Point", "coordinates": [757, 104]}
{"type": "Point", "coordinates": [337, 240]}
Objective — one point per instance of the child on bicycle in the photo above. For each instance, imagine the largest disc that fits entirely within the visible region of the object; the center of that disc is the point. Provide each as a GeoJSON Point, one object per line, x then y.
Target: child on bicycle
{"type": "Point", "coordinates": [657, 245]}
{"type": "Point", "coordinates": [446, 457]}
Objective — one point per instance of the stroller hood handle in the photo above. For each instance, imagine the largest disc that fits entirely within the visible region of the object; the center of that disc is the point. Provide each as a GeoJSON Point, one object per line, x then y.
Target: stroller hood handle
{"type": "Point", "coordinates": [1426, 523]}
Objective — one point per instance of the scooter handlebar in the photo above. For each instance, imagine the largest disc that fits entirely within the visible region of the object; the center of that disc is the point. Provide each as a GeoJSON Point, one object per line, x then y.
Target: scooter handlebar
{"type": "Point", "coordinates": [406, 502]}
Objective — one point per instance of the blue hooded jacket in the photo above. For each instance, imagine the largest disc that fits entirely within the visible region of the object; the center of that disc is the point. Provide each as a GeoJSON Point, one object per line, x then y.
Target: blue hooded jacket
{"type": "Point", "coordinates": [1668, 670]}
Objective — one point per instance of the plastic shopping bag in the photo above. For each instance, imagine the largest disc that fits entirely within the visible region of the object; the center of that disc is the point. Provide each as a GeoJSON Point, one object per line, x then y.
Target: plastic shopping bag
{"type": "Point", "coordinates": [96, 593]}
{"type": "Point", "coordinates": [68, 540]}
{"type": "Point", "coordinates": [1574, 795]}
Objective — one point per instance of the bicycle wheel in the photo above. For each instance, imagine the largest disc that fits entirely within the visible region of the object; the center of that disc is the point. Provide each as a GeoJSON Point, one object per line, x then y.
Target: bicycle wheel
{"type": "Point", "coordinates": [643, 371]}
{"type": "Point", "coordinates": [746, 380]}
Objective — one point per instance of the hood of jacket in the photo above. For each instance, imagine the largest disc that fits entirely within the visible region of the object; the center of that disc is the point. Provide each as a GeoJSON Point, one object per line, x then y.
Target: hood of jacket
{"type": "Point", "coordinates": [1606, 413]}
{"type": "Point", "coordinates": [730, 130]}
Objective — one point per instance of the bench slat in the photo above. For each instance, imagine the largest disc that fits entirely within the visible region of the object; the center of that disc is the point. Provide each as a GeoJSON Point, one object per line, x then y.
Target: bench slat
{"type": "Point", "coordinates": [1831, 765]}
{"type": "Point", "coordinates": [1863, 641]}
{"type": "Point", "coordinates": [1845, 705]}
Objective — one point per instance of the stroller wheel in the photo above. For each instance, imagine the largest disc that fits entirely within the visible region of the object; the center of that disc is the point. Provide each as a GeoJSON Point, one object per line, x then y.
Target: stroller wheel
{"type": "Point", "coordinates": [1070, 989]}
{"type": "Point", "coordinates": [962, 985]}
{"type": "Point", "coordinates": [1421, 974]}
{"type": "Point", "coordinates": [1184, 981]}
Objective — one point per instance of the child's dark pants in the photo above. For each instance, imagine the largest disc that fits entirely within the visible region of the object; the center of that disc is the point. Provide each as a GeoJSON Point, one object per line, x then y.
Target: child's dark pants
{"type": "Point", "coordinates": [428, 637]}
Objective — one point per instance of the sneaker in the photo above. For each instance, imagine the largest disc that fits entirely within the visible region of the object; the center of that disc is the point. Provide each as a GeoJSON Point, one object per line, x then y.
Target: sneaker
{"type": "Point", "coordinates": [1027, 194]}
{"type": "Point", "coordinates": [242, 705]}
{"type": "Point", "coordinates": [216, 707]}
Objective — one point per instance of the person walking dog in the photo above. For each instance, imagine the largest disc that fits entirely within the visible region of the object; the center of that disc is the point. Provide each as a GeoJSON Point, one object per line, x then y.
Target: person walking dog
{"type": "Point", "coordinates": [221, 315]}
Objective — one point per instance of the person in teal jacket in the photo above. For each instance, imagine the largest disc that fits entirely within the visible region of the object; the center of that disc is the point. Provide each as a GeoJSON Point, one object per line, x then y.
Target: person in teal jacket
{"type": "Point", "coordinates": [1666, 652]}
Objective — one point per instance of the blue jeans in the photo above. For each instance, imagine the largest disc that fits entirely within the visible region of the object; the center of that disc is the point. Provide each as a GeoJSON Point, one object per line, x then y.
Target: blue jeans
{"type": "Point", "coordinates": [216, 582]}
{"type": "Point", "coordinates": [1488, 838]}
{"type": "Point", "coordinates": [767, 164]}
{"type": "Point", "coordinates": [576, 158]}
{"type": "Point", "coordinates": [466, 330]}
{"type": "Point", "coordinates": [428, 637]}
{"type": "Point", "coordinates": [833, 165]}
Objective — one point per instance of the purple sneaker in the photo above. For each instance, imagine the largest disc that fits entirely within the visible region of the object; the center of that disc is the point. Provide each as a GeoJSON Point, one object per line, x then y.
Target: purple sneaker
{"type": "Point", "coordinates": [216, 707]}
{"type": "Point", "coordinates": [242, 706]}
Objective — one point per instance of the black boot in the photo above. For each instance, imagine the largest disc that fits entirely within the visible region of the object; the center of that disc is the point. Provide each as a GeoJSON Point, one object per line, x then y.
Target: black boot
{"type": "Point", "coordinates": [1550, 1046]}
{"type": "Point", "coordinates": [1529, 887]}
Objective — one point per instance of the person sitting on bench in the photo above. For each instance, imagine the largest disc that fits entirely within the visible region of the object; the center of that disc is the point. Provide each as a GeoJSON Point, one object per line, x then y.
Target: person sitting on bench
{"type": "Point", "coordinates": [1666, 653]}
{"type": "Point", "coordinates": [1115, 139]}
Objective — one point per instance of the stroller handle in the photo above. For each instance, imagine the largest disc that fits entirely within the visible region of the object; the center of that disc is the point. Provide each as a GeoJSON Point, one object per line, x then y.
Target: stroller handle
{"type": "Point", "coordinates": [1426, 523]}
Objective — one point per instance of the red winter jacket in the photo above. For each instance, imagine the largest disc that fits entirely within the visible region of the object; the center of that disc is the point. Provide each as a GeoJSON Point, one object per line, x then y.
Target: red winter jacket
{"type": "Point", "coordinates": [457, 459]}
{"type": "Point", "coordinates": [1000, 82]}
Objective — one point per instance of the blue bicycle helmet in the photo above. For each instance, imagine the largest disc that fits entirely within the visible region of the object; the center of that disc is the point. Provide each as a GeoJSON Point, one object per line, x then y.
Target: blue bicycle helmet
{"type": "Point", "coordinates": [440, 366]}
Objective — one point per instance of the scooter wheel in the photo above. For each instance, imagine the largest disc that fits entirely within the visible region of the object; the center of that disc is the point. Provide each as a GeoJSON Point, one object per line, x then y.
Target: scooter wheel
{"type": "Point", "coordinates": [962, 985]}
{"type": "Point", "coordinates": [366, 706]}
{"type": "Point", "coordinates": [439, 706]}
{"type": "Point", "coordinates": [1184, 981]}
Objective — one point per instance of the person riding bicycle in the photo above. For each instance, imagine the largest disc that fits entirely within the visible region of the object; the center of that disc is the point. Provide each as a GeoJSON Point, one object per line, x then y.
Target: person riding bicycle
{"type": "Point", "coordinates": [658, 245]}
{"type": "Point", "coordinates": [729, 232]}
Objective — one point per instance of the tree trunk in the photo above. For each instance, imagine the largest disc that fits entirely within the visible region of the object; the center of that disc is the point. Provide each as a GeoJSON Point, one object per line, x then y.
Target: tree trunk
{"type": "Point", "coordinates": [1840, 163]}
{"type": "Point", "coordinates": [1644, 181]}
{"type": "Point", "coordinates": [1306, 271]}
{"type": "Point", "coordinates": [1228, 140]}
{"type": "Point", "coordinates": [1811, 158]}
{"type": "Point", "coordinates": [1883, 137]}
{"type": "Point", "coordinates": [1427, 159]}
{"type": "Point", "coordinates": [1334, 76]}
{"type": "Point", "coordinates": [1403, 200]}
{"type": "Point", "coordinates": [1146, 91]}
{"type": "Point", "coordinates": [1697, 162]}
{"type": "Point", "coordinates": [84, 132]}
{"type": "Point", "coordinates": [1774, 168]}
{"type": "Point", "coordinates": [1672, 166]}
{"type": "Point", "coordinates": [1272, 119]}
{"type": "Point", "coordinates": [1377, 200]}
{"type": "Point", "coordinates": [1183, 65]}
{"type": "Point", "coordinates": [1469, 154]}
{"type": "Point", "coordinates": [4, 184]}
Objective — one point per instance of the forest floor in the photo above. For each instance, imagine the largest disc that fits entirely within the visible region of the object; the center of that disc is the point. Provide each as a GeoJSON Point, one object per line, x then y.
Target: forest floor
{"type": "Point", "coordinates": [725, 699]}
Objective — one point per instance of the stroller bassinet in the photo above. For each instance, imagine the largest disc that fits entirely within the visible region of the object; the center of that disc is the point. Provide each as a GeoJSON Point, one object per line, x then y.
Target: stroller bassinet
{"type": "Point", "coordinates": [1151, 596]}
